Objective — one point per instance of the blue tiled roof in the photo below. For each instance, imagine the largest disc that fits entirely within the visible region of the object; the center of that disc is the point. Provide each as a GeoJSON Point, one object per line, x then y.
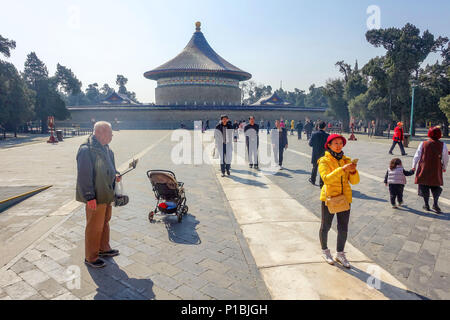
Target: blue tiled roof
{"type": "Point", "coordinates": [198, 57]}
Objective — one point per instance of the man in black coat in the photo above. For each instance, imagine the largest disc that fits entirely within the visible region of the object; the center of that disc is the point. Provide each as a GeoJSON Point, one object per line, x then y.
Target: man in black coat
{"type": "Point", "coordinates": [317, 142]}
{"type": "Point", "coordinates": [279, 142]}
{"type": "Point", "coordinates": [223, 135]}
{"type": "Point", "coordinates": [251, 132]}
{"type": "Point", "coordinates": [299, 130]}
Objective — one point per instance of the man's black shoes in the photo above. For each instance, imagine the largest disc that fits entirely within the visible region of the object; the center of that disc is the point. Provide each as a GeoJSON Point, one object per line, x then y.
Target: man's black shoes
{"type": "Point", "coordinates": [437, 209]}
{"type": "Point", "coordinates": [310, 181]}
{"type": "Point", "coordinates": [110, 253]}
{"type": "Point", "coordinates": [99, 263]}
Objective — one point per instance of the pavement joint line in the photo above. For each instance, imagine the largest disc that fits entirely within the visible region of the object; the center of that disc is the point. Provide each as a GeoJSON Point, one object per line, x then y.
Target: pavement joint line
{"type": "Point", "coordinates": [76, 205]}
{"type": "Point", "coordinates": [309, 262]}
{"type": "Point", "coordinates": [243, 243]}
{"type": "Point", "coordinates": [277, 221]}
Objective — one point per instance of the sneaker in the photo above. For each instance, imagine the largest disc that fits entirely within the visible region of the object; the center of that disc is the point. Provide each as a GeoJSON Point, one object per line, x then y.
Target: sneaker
{"type": "Point", "coordinates": [250, 165]}
{"type": "Point", "coordinates": [394, 206]}
{"type": "Point", "coordinates": [405, 154]}
{"type": "Point", "coordinates": [426, 207]}
{"type": "Point", "coordinates": [223, 174]}
{"type": "Point", "coordinates": [400, 204]}
{"type": "Point", "coordinates": [310, 181]}
{"type": "Point", "coordinates": [110, 253]}
{"type": "Point", "coordinates": [390, 153]}
{"type": "Point", "coordinates": [99, 263]}
{"type": "Point", "coordinates": [326, 255]}
{"type": "Point", "coordinates": [342, 259]}
{"type": "Point", "coordinates": [437, 209]}
{"type": "Point", "coordinates": [228, 172]}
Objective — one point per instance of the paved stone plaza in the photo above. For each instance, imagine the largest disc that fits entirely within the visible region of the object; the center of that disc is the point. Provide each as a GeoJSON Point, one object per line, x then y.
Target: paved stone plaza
{"type": "Point", "coordinates": [223, 247]}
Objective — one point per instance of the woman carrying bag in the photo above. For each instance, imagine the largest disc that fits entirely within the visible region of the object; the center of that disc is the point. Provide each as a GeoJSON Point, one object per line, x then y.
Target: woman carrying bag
{"type": "Point", "coordinates": [337, 172]}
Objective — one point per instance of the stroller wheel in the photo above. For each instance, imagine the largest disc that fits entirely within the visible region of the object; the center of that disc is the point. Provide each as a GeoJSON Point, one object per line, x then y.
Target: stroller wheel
{"type": "Point", "coordinates": [185, 209]}
{"type": "Point", "coordinates": [180, 217]}
{"type": "Point", "coordinates": [151, 216]}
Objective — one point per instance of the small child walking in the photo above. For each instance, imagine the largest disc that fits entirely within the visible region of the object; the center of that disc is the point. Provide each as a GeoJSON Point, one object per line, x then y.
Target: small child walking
{"type": "Point", "coordinates": [396, 179]}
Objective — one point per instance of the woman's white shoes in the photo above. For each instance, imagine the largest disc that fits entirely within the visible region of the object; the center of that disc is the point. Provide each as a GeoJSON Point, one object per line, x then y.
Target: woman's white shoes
{"type": "Point", "coordinates": [326, 255]}
{"type": "Point", "coordinates": [342, 259]}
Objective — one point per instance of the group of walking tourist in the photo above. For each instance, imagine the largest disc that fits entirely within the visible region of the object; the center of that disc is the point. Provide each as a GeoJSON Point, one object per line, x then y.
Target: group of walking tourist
{"type": "Point", "coordinates": [97, 175]}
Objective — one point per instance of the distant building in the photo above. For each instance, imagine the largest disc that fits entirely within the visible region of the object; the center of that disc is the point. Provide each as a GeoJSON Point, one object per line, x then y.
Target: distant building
{"type": "Point", "coordinates": [198, 76]}
{"type": "Point", "coordinates": [273, 100]}
{"type": "Point", "coordinates": [117, 99]}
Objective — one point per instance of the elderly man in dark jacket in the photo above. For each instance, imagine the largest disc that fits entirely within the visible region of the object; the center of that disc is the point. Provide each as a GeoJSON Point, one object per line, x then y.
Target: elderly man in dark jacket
{"type": "Point", "coordinates": [317, 142]}
{"type": "Point", "coordinates": [96, 179]}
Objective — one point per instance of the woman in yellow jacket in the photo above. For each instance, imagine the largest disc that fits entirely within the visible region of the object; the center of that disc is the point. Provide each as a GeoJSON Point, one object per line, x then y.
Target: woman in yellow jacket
{"type": "Point", "coordinates": [337, 172]}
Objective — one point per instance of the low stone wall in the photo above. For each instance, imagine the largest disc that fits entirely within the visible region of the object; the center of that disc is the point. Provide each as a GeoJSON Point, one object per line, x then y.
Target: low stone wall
{"type": "Point", "coordinates": [142, 118]}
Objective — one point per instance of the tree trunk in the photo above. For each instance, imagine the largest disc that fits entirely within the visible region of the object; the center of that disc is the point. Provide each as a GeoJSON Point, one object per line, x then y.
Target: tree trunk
{"type": "Point", "coordinates": [445, 128]}
{"type": "Point", "coordinates": [378, 127]}
{"type": "Point", "coordinates": [44, 126]}
{"type": "Point", "coordinates": [346, 125]}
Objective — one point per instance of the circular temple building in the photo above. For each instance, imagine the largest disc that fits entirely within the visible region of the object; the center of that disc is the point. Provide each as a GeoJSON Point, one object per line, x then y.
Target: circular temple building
{"type": "Point", "coordinates": [198, 76]}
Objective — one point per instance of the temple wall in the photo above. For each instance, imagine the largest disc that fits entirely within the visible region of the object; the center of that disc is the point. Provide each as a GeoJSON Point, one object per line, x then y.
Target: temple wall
{"type": "Point", "coordinates": [192, 94]}
{"type": "Point", "coordinates": [171, 119]}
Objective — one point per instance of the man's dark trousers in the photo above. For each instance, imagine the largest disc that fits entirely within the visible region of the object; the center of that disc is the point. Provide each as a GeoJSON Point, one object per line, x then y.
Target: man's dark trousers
{"type": "Point", "coordinates": [314, 174]}
{"type": "Point", "coordinates": [400, 144]}
{"type": "Point", "coordinates": [223, 165]}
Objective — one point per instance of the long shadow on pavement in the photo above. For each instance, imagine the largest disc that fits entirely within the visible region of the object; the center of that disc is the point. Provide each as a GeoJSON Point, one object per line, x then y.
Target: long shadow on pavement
{"type": "Point", "coordinates": [443, 216]}
{"type": "Point", "coordinates": [359, 195]}
{"type": "Point", "coordinates": [248, 181]}
{"type": "Point", "coordinates": [389, 291]}
{"type": "Point", "coordinates": [124, 288]}
{"type": "Point", "coordinates": [298, 171]}
{"type": "Point", "coordinates": [184, 232]}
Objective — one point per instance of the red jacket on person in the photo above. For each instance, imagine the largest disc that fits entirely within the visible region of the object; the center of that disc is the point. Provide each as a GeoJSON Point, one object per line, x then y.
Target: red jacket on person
{"type": "Point", "coordinates": [398, 134]}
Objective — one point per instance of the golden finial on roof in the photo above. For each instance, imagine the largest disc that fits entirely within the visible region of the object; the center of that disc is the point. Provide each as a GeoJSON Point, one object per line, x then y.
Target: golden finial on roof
{"type": "Point", "coordinates": [197, 26]}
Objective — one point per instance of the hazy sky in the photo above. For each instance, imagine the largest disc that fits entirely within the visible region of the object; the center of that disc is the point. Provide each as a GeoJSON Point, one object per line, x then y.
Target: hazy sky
{"type": "Point", "coordinates": [295, 41]}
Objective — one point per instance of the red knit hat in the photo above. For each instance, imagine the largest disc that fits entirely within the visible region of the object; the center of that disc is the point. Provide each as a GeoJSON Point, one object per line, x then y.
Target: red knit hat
{"type": "Point", "coordinates": [435, 133]}
{"type": "Point", "coordinates": [331, 137]}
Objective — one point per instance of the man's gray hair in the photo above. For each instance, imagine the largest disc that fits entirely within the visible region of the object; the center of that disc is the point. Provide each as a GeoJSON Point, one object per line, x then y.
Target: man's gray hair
{"type": "Point", "coordinates": [100, 126]}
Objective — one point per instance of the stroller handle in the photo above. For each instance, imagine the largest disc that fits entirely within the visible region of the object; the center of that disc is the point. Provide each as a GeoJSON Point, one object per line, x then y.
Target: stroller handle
{"type": "Point", "coordinates": [150, 171]}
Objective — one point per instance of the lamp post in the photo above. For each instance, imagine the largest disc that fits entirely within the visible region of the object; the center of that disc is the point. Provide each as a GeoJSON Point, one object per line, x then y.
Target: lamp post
{"type": "Point", "coordinates": [414, 84]}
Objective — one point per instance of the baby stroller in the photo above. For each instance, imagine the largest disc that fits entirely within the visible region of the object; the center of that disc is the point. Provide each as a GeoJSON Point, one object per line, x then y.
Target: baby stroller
{"type": "Point", "coordinates": [169, 193]}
